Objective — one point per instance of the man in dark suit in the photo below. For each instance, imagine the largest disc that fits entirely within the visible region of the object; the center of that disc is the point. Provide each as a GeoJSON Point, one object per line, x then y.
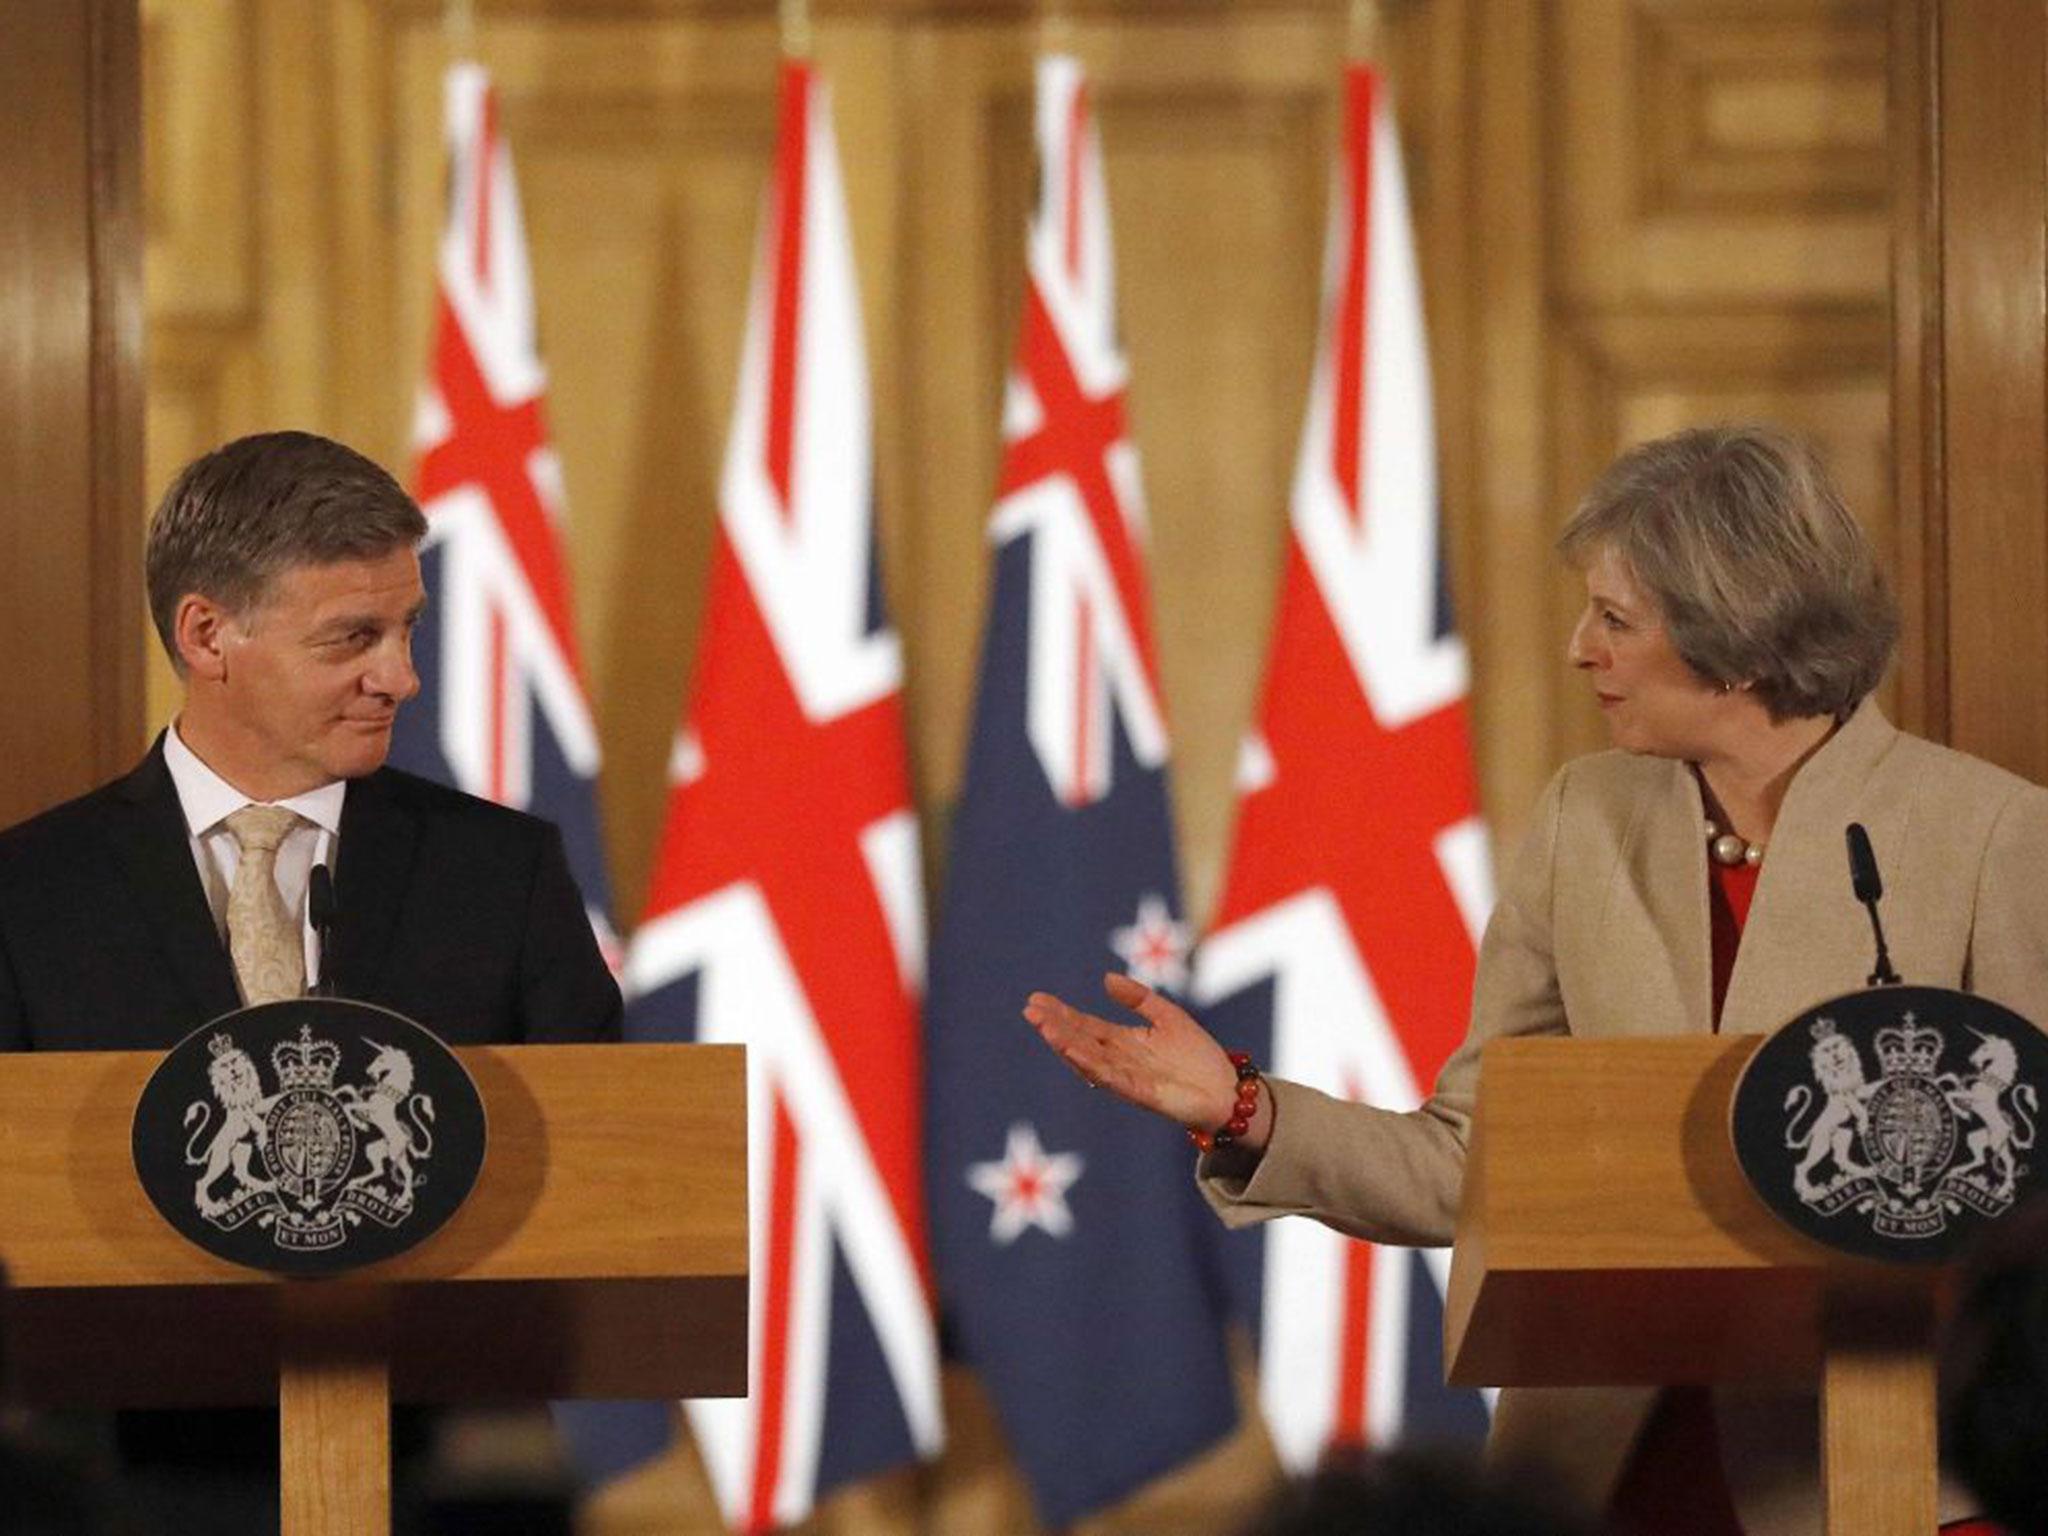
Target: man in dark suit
{"type": "Point", "coordinates": [284, 583]}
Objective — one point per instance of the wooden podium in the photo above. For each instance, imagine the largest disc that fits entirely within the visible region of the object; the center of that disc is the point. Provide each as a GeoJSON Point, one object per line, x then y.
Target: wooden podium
{"type": "Point", "coordinates": [1607, 1236]}
{"type": "Point", "coordinates": [603, 1253]}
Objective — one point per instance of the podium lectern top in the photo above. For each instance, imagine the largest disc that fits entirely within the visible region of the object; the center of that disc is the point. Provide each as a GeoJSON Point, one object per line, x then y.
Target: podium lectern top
{"type": "Point", "coordinates": [1607, 1234]}
{"type": "Point", "coordinates": [603, 1251]}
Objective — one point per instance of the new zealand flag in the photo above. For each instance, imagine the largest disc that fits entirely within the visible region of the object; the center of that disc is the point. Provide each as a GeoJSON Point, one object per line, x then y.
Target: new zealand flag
{"type": "Point", "coordinates": [502, 711]}
{"type": "Point", "coordinates": [1078, 1270]}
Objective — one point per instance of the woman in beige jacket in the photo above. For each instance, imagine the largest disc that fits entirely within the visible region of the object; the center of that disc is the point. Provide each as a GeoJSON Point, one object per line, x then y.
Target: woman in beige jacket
{"type": "Point", "coordinates": [1736, 622]}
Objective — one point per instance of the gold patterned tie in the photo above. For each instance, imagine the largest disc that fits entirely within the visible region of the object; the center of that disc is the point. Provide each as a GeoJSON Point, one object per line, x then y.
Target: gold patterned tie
{"type": "Point", "coordinates": [267, 947]}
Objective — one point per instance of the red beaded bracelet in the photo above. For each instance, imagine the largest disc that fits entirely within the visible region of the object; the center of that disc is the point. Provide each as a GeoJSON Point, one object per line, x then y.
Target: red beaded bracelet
{"type": "Point", "coordinates": [1241, 1113]}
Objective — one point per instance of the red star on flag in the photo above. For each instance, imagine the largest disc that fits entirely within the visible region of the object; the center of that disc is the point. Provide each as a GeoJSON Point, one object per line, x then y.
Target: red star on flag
{"type": "Point", "coordinates": [1029, 1186]}
{"type": "Point", "coordinates": [1154, 948]}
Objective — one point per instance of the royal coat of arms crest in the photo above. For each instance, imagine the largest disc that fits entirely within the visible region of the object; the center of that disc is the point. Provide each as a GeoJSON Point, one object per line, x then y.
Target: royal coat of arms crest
{"type": "Point", "coordinates": [309, 1135]}
{"type": "Point", "coordinates": [296, 1167]}
{"type": "Point", "coordinates": [1885, 1118]}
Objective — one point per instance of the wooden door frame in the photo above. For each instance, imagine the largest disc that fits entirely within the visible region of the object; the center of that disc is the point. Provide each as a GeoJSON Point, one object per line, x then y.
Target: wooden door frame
{"type": "Point", "coordinates": [1970, 372]}
{"type": "Point", "coordinates": [71, 396]}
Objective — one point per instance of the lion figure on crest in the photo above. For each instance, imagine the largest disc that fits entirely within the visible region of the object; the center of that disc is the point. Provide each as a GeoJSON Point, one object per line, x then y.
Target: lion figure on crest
{"type": "Point", "coordinates": [239, 1089]}
{"type": "Point", "coordinates": [1833, 1132]}
{"type": "Point", "coordinates": [394, 1143]}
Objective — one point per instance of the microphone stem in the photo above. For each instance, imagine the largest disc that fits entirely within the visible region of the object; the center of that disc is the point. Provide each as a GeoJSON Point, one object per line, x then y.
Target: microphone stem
{"type": "Point", "coordinates": [1884, 975]}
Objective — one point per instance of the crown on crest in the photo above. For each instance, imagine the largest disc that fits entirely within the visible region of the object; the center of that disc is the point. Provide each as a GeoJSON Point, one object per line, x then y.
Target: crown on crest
{"type": "Point", "coordinates": [306, 1063]}
{"type": "Point", "coordinates": [1908, 1048]}
{"type": "Point", "coordinates": [219, 1043]}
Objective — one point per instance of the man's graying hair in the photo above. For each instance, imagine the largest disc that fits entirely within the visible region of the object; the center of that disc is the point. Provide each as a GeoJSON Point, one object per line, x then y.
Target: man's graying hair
{"type": "Point", "coordinates": [240, 516]}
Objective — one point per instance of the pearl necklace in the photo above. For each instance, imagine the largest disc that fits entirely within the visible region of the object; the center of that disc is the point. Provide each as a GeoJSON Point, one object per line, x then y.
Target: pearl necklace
{"type": "Point", "coordinates": [1730, 850]}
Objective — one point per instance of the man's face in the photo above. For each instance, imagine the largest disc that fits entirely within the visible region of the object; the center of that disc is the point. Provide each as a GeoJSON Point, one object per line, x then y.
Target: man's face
{"type": "Point", "coordinates": [313, 675]}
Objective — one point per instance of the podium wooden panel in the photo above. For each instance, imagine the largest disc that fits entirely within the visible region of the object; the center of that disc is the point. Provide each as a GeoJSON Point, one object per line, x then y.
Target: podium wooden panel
{"type": "Point", "coordinates": [603, 1253]}
{"type": "Point", "coordinates": [1607, 1236]}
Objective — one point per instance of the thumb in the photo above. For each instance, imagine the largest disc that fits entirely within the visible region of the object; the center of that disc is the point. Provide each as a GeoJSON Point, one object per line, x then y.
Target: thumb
{"type": "Point", "coordinates": [1126, 991]}
{"type": "Point", "coordinates": [1155, 1008]}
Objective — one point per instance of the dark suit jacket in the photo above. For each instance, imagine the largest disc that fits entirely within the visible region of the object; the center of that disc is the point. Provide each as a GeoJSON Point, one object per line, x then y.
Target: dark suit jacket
{"type": "Point", "coordinates": [460, 914]}
{"type": "Point", "coordinates": [455, 912]}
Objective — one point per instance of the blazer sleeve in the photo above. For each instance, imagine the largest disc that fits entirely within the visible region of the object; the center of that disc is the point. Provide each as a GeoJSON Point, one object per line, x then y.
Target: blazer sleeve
{"type": "Point", "coordinates": [2008, 959]}
{"type": "Point", "coordinates": [566, 992]}
{"type": "Point", "coordinates": [1395, 1177]}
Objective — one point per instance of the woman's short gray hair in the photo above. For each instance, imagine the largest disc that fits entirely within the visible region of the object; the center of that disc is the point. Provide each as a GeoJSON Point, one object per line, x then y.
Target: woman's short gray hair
{"type": "Point", "coordinates": [1761, 575]}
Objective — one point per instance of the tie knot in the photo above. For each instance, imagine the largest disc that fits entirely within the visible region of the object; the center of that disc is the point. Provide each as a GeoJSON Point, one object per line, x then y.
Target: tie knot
{"type": "Point", "coordinates": [258, 829]}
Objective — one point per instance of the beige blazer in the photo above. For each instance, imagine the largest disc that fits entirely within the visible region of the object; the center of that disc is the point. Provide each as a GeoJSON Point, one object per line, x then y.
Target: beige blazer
{"type": "Point", "coordinates": [1602, 929]}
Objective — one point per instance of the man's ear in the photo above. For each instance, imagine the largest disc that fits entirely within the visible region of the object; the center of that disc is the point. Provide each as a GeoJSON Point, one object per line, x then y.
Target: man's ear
{"type": "Point", "coordinates": [200, 628]}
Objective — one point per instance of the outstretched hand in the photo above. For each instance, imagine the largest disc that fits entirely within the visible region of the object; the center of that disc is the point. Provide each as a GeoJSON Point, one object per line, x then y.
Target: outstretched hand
{"type": "Point", "coordinates": [1169, 1064]}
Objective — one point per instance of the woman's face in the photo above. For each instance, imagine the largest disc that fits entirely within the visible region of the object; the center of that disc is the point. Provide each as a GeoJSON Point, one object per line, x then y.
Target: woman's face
{"type": "Point", "coordinates": [1653, 701]}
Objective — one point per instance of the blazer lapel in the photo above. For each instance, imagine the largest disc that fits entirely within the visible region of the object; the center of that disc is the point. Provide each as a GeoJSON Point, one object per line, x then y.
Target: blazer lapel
{"type": "Point", "coordinates": [149, 841]}
{"type": "Point", "coordinates": [1807, 939]}
{"type": "Point", "coordinates": [378, 839]}
{"type": "Point", "coordinates": [1667, 864]}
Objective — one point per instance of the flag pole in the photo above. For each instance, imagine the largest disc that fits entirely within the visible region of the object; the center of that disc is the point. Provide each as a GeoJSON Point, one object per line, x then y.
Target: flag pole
{"type": "Point", "coordinates": [1055, 28]}
{"type": "Point", "coordinates": [796, 28]}
{"type": "Point", "coordinates": [1367, 32]}
{"type": "Point", "coordinates": [458, 24]}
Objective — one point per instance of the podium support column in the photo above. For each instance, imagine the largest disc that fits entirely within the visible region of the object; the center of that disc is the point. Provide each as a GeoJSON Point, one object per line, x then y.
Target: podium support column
{"type": "Point", "coordinates": [334, 1410]}
{"type": "Point", "coordinates": [1878, 1417]}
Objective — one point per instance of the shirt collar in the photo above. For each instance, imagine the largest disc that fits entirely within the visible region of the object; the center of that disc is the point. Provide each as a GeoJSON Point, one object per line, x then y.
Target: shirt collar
{"type": "Point", "coordinates": [207, 799]}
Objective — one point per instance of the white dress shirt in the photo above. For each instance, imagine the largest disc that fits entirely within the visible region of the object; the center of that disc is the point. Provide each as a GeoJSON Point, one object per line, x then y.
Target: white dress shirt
{"type": "Point", "coordinates": [208, 800]}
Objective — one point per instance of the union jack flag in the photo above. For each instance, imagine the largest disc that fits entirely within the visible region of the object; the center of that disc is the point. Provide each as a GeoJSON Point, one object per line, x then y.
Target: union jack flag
{"type": "Point", "coordinates": [785, 911]}
{"type": "Point", "coordinates": [1078, 1271]}
{"type": "Point", "coordinates": [502, 712]}
{"type": "Point", "coordinates": [1358, 881]}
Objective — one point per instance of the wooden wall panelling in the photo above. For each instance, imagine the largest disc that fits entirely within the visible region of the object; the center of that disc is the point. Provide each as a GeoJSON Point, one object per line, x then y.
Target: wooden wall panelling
{"type": "Point", "coordinates": [1994, 362]}
{"type": "Point", "coordinates": [1913, 128]}
{"type": "Point", "coordinates": [1717, 238]}
{"type": "Point", "coordinates": [1720, 153]}
{"type": "Point", "coordinates": [1511, 620]}
{"type": "Point", "coordinates": [70, 395]}
{"type": "Point", "coordinates": [268, 255]}
{"type": "Point", "coordinates": [202, 251]}
{"type": "Point", "coordinates": [371, 381]}
{"type": "Point", "coordinates": [1428, 52]}
{"type": "Point", "coordinates": [200, 194]}
{"type": "Point", "coordinates": [302, 212]}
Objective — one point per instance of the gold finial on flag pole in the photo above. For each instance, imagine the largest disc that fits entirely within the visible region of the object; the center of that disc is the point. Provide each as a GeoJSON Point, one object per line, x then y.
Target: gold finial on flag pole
{"type": "Point", "coordinates": [458, 23]}
{"type": "Point", "coordinates": [796, 28]}
{"type": "Point", "coordinates": [1055, 27]}
{"type": "Point", "coordinates": [1368, 26]}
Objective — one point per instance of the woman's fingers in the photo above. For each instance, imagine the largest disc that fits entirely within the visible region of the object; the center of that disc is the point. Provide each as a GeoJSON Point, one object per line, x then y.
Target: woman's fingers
{"type": "Point", "coordinates": [1167, 1063]}
{"type": "Point", "coordinates": [1061, 1025]}
{"type": "Point", "coordinates": [1073, 1034]}
{"type": "Point", "coordinates": [1101, 1053]}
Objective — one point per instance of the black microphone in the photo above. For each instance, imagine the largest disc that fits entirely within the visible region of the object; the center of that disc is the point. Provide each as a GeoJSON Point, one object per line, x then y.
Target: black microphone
{"type": "Point", "coordinates": [1870, 890]}
{"type": "Point", "coordinates": [320, 912]}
